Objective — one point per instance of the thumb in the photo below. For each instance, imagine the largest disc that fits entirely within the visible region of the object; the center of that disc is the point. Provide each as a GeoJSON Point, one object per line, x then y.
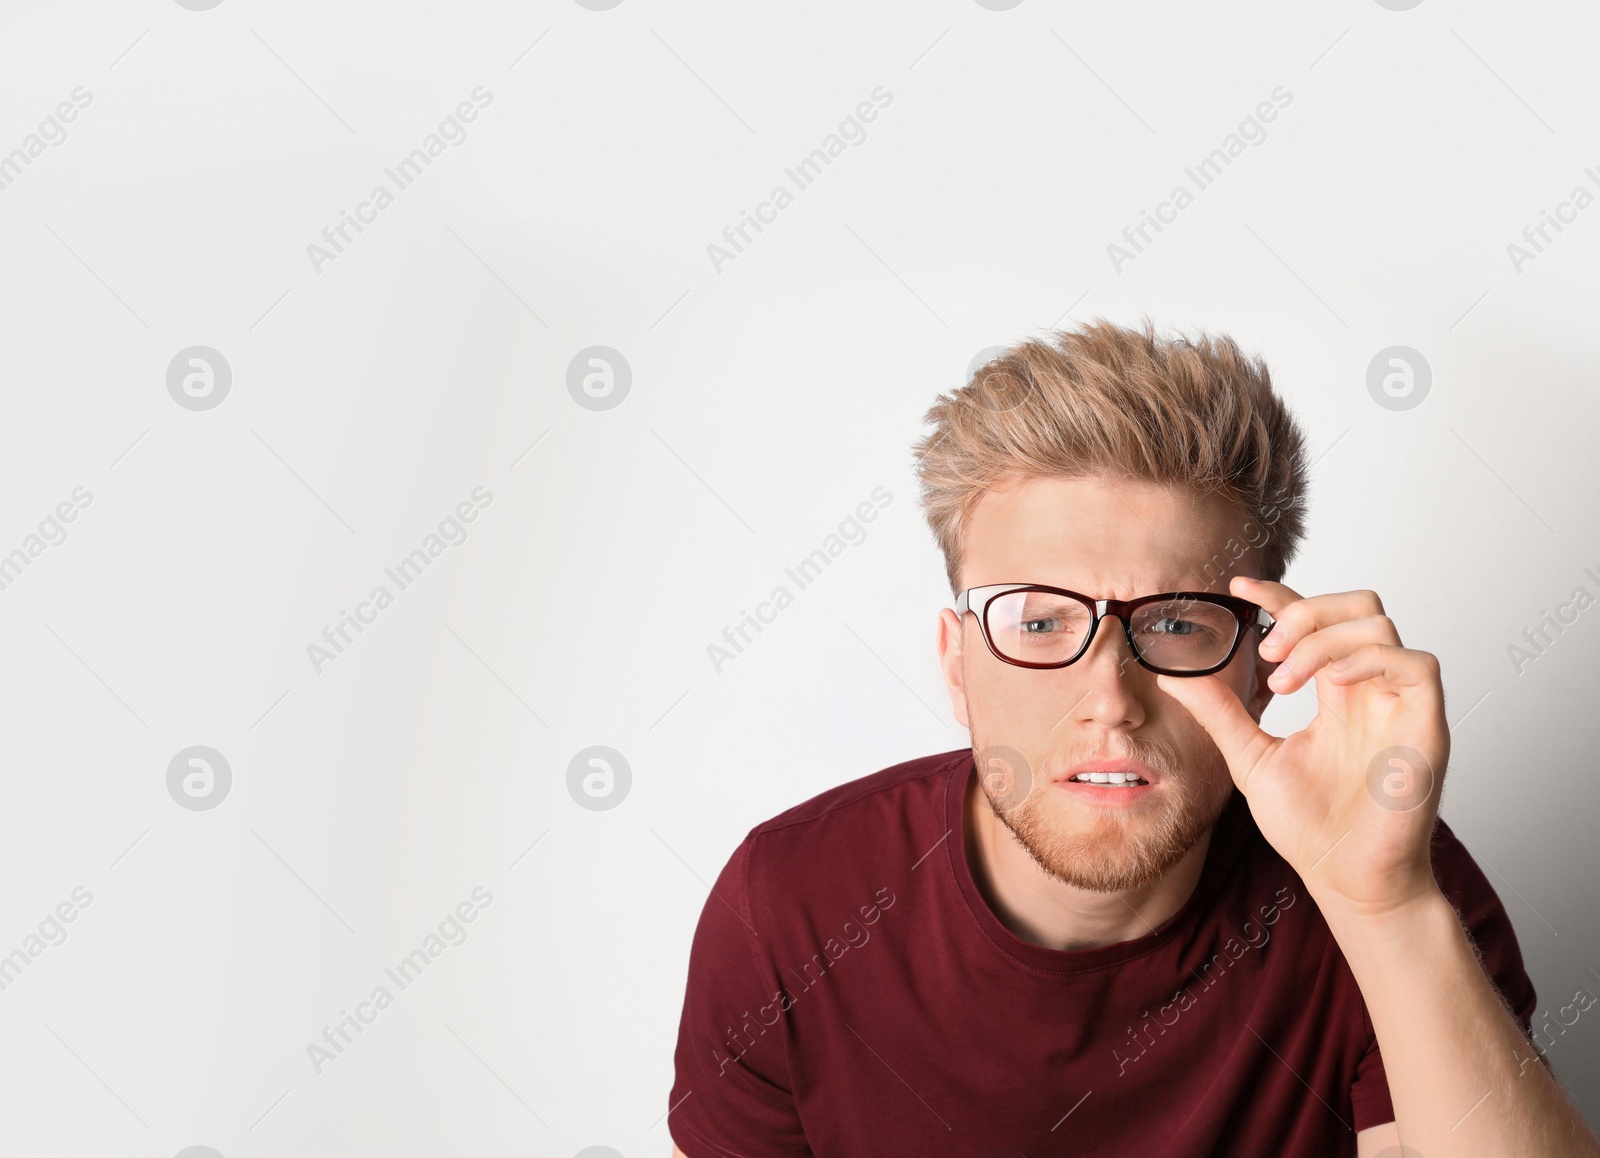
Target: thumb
{"type": "Point", "coordinates": [1236, 735]}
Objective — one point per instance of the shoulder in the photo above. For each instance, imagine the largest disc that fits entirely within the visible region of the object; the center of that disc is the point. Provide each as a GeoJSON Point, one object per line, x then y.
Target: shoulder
{"type": "Point", "coordinates": [892, 789]}
{"type": "Point", "coordinates": [889, 817]}
{"type": "Point", "coordinates": [1459, 876]}
{"type": "Point", "coordinates": [1484, 917]}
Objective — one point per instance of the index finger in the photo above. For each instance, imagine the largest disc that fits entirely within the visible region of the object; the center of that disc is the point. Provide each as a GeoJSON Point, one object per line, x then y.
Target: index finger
{"type": "Point", "coordinates": [1298, 616]}
{"type": "Point", "coordinates": [1273, 597]}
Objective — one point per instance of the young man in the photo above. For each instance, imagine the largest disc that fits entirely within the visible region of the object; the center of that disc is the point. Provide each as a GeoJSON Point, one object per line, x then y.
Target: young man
{"type": "Point", "coordinates": [1127, 920]}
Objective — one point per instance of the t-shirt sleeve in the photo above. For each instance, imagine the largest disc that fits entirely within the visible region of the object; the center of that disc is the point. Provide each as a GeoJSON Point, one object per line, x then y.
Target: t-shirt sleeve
{"type": "Point", "coordinates": [1488, 926]}
{"type": "Point", "coordinates": [732, 1094]}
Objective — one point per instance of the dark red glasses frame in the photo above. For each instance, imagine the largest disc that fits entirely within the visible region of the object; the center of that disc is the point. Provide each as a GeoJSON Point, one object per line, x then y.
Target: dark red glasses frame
{"type": "Point", "coordinates": [1249, 616]}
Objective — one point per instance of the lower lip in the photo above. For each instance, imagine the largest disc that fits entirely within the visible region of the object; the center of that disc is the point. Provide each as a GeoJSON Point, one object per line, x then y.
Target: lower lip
{"type": "Point", "coordinates": [1107, 795]}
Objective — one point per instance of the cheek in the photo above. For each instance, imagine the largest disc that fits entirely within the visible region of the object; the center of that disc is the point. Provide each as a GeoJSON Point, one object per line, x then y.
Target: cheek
{"type": "Point", "coordinates": [1022, 709]}
{"type": "Point", "coordinates": [1026, 702]}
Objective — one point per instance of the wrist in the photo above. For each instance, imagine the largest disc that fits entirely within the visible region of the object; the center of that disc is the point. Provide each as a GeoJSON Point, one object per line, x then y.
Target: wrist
{"type": "Point", "coordinates": [1400, 919]}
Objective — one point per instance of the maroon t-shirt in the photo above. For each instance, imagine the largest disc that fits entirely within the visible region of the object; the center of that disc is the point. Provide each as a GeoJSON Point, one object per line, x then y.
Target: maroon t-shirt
{"type": "Point", "coordinates": [850, 992]}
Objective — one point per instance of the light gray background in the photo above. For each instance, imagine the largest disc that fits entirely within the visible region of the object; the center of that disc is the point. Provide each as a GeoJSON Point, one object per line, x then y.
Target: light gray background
{"type": "Point", "coordinates": [768, 400]}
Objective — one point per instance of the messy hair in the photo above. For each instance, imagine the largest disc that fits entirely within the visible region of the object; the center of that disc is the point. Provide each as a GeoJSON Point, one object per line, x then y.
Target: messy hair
{"type": "Point", "coordinates": [1107, 401]}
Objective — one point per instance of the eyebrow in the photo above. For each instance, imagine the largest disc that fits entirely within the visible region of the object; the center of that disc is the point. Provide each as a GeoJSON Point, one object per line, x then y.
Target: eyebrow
{"type": "Point", "coordinates": [1136, 590]}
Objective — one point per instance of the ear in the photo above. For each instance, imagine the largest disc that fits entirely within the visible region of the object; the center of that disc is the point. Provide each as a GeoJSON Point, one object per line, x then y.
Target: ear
{"type": "Point", "coordinates": [951, 634]}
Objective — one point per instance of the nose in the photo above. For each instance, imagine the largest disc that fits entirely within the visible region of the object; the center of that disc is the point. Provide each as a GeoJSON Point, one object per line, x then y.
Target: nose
{"type": "Point", "coordinates": [1106, 681]}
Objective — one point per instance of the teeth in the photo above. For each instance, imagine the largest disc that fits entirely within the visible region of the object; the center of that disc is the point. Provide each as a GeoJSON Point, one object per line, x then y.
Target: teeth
{"type": "Point", "coordinates": [1126, 779]}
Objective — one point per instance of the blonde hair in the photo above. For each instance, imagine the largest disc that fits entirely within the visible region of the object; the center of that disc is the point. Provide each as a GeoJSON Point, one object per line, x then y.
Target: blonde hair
{"type": "Point", "coordinates": [1108, 401]}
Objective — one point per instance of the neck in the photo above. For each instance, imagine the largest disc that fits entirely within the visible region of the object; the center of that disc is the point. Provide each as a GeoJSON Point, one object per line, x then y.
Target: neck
{"type": "Point", "coordinates": [1048, 912]}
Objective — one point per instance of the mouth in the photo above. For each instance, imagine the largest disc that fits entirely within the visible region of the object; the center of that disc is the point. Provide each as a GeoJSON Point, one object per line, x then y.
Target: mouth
{"type": "Point", "coordinates": [1109, 779]}
{"type": "Point", "coordinates": [1114, 779]}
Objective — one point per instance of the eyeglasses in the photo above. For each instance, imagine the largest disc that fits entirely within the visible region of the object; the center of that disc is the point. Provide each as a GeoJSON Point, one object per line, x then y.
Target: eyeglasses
{"type": "Point", "coordinates": [1177, 633]}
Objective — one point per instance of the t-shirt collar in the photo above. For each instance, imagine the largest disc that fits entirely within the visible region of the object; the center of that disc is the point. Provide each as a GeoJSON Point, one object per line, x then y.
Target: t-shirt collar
{"type": "Point", "coordinates": [1227, 839]}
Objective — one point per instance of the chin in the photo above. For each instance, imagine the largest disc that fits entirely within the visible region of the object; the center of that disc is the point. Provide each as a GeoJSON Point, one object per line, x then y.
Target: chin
{"type": "Point", "coordinates": [1115, 850]}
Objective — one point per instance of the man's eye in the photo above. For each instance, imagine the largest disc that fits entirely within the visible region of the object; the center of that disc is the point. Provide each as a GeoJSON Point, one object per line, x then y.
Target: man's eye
{"type": "Point", "coordinates": [1040, 626]}
{"type": "Point", "coordinates": [1167, 625]}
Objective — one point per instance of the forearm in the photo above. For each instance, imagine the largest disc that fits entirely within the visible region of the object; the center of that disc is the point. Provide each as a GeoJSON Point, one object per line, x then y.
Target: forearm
{"type": "Point", "coordinates": [1463, 1079]}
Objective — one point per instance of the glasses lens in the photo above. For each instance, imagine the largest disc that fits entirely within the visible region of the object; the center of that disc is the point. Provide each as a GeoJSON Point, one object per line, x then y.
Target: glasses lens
{"type": "Point", "coordinates": [1038, 627]}
{"type": "Point", "coordinates": [1184, 634]}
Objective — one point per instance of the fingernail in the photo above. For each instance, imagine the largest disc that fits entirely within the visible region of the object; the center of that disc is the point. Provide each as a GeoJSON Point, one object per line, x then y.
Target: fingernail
{"type": "Point", "coordinates": [1341, 664]}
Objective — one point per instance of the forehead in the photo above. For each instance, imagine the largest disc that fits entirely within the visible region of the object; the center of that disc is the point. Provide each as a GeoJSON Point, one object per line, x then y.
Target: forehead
{"type": "Point", "coordinates": [1113, 539]}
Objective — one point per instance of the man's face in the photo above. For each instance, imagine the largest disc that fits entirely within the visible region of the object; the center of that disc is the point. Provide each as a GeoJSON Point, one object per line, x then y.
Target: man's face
{"type": "Point", "coordinates": [1106, 540]}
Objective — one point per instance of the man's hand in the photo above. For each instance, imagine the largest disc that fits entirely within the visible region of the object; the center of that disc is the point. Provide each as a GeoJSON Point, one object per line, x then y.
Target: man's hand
{"type": "Point", "coordinates": [1349, 801]}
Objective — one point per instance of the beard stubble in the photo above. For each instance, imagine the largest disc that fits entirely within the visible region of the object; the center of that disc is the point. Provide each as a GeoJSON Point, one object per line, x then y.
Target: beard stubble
{"type": "Point", "coordinates": [1115, 850]}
